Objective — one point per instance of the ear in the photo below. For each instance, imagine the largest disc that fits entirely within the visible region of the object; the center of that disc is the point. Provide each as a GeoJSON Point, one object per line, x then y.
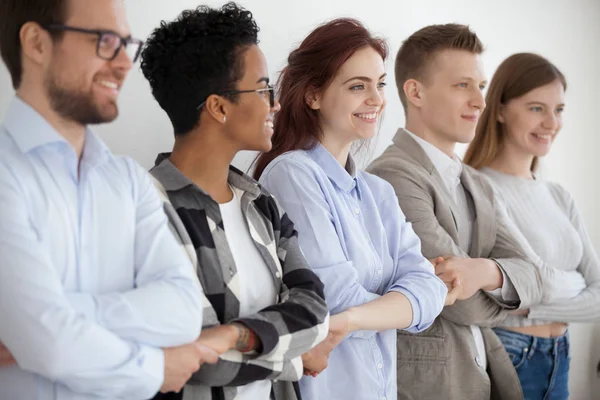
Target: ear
{"type": "Point", "coordinates": [501, 117]}
{"type": "Point", "coordinates": [313, 99]}
{"type": "Point", "coordinates": [413, 92]}
{"type": "Point", "coordinates": [216, 108]}
{"type": "Point", "coordinates": [36, 43]}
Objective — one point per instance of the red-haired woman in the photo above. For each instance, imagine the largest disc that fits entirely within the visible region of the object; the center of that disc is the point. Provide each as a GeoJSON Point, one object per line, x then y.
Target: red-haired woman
{"type": "Point", "coordinates": [350, 226]}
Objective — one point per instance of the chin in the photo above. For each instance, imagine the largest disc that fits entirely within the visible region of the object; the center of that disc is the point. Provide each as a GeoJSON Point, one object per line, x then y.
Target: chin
{"type": "Point", "coordinates": [465, 137]}
{"type": "Point", "coordinates": [108, 112]}
{"type": "Point", "coordinates": [262, 147]}
{"type": "Point", "coordinates": [366, 135]}
{"type": "Point", "coordinates": [540, 152]}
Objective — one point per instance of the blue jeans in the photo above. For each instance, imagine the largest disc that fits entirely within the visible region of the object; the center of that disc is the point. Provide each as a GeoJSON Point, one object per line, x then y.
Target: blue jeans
{"type": "Point", "coordinates": [542, 364]}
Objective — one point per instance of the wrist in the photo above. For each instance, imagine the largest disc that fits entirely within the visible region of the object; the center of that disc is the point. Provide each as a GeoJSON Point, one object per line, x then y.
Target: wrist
{"type": "Point", "coordinates": [245, 339]}
{"type": "Point", "coordinates": [353, 320]}
{"type": "Point", "coordinates": [233, 334]}
{"type": "Point", "coordinates": [493, 278]}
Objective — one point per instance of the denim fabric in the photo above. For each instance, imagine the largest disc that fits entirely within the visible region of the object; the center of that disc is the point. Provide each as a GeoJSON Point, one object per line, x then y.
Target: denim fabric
{"type": "Point", "coordinates": [541, 363]}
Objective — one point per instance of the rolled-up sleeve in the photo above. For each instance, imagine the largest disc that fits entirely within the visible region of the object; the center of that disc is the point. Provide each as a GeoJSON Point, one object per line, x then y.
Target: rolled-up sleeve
{"type": "Point", "coordinates": [414, 276]}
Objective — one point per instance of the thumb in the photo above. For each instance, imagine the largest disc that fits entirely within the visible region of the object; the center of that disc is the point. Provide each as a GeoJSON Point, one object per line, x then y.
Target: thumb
{"type": "Point", "coordinates": [207, 354]}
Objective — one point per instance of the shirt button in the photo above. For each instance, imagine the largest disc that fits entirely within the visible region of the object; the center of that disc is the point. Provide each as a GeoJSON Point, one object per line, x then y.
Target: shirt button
{"type": "Point", "coordinates": [379, 366]}
{"type": "Point", "coordinates": [384, 398]}
{"type": "Point", "coordinates": [379, 272]}
{"type": "Point", "coordinates": [277, 274]}
{"type": "Point", "coordinates": [478, 361]}
{"type": "Point", "coordinates": [356, 211]}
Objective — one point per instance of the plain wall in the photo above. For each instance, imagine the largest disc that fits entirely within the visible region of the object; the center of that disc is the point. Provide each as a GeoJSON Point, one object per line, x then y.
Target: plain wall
{"type": "Point", "coordinates": [566, 32]}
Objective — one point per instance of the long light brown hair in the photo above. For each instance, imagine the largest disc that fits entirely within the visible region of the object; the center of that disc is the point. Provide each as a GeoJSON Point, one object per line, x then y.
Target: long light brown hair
{"type": "Point", "coordinates": [516, 76]}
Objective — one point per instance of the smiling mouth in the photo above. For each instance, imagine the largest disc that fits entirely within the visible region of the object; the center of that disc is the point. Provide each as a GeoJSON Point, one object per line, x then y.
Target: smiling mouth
{"type": "Point", "coordinates": [540, 136]}
{"type": "Point", "coordinates": [368, 117]}
{"type": "Point", "coordinates": [108, 84]}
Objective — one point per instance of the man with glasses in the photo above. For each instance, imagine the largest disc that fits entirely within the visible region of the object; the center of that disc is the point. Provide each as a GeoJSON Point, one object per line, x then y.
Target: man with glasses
{"type": "Point", "coordinates": [97, 298]}
{"type": "Point", "coordinates": [264, 306]}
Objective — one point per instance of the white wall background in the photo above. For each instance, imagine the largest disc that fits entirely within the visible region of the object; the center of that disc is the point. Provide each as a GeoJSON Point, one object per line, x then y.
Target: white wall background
{"type": "Point", "coordinates": [566, 32]}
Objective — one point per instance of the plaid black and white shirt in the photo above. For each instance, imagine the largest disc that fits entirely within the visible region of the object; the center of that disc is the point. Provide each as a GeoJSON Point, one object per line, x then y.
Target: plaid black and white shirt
{"type": "Point", "coordinates": [295, 324]}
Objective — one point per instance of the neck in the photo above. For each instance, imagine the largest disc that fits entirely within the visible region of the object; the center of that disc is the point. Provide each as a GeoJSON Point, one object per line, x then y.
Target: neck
{"type": "Point", "coordinates": [513, 162]}
{"type": "Point", "coordinates": [339, 148]}
{"type": "Point", "coordinates": [204, 158]}
{"type": "Point", "coordinates": [420, 129]}
{"type": "Point", "coordinates": [72, 131]}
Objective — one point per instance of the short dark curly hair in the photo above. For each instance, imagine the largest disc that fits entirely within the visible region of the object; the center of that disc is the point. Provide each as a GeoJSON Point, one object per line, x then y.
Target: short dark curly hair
{"type": "Point", "coordinates": [198, 54]}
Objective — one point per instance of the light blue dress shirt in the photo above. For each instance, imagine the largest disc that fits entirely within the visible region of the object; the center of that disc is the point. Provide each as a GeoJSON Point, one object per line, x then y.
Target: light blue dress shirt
{"type": "Point", "coordinates": [92, 281]}
{"type": "Point", "coordinates": [356, 239]}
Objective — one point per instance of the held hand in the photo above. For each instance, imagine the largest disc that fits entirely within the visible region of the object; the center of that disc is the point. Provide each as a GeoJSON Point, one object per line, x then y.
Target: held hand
{"type": "Point", "coordinates": [454, 292]}
{"type": "Point", "coordinates": [437, 260]}
{"type": "Point", "coordinates": [182, 361]}
{"type": "Point", "coordinates": [474, 274]}
{"type": "Point", "coordinates": [316, 360]}
{"type": "Point", "coordinates": [220, 338]}
{"type": "Point", "coordinates": [6, 358]}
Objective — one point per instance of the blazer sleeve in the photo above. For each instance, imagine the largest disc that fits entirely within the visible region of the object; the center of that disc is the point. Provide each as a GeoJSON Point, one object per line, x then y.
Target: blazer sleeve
{"type": "Point", "coordinates": [417, 205]}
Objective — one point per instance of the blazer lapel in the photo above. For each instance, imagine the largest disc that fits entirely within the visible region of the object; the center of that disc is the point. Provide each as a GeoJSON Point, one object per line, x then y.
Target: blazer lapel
{"type": "Point", "coordinates": [483, 227]}
{"type": "Point", "coordinates": [415, 152]}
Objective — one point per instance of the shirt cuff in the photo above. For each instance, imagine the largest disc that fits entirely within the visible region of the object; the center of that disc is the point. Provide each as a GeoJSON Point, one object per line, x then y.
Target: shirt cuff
{"type": "Point", "coordinates": [415, 324]}
{"type": "Point", "coordinates": [151, 361]}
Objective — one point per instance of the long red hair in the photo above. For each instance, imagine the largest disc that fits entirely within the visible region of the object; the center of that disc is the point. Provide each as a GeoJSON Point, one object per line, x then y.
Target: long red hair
{"type": "Point", "coordinates": [311, 69]}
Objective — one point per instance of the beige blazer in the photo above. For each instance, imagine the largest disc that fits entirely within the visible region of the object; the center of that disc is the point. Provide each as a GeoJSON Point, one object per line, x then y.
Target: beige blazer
{"type": "Point", "coordinates": [440, 363]}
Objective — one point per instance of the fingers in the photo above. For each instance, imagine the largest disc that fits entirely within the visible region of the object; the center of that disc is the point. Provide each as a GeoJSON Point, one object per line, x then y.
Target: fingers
{"type": "Point", "coordinates": [207, 354]}
{"type": "Point", "coordinates": [448, 277]}
{"type": "Point", "coordinates": [454, 293]}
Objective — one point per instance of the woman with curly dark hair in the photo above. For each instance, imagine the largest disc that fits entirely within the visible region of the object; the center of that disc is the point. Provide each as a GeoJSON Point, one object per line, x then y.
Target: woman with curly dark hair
{"type": "Point", "coordinates": [263, 306]}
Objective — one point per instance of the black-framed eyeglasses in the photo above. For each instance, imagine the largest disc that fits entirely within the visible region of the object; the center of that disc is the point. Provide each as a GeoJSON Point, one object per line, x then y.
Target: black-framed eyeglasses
{"type": "Point", "coordinates": [109, 42]}
{"type": "Point", "coordinates": [269, 90]}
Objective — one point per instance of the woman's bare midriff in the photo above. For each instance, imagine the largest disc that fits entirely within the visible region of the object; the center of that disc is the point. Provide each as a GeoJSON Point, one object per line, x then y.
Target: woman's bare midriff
{"type": "Point", "coordinates": [552, 330]}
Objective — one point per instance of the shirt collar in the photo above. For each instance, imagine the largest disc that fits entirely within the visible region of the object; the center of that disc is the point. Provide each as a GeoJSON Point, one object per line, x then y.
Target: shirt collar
{"type": "Point", "coordinates": [343, 178]}
{"type": "Point", "coordinates": [30, 131]}
{"type": "Point", "coordinates": [172, 179]}
{"type": "Point", "coordinates": [450, 168]}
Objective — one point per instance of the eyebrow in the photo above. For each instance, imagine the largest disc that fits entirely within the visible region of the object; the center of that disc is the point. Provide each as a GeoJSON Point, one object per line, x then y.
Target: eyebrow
{"type": "Point", "coordinates": [263, 79]}
{"type": "Point", "coordinates": [542, 104]}
{"type": "Point", "coordinates": [104, 30]}
{"type": "Point", "coordinates": [364, 78]}
{"type": "Point", "coordinates": [466, 78]}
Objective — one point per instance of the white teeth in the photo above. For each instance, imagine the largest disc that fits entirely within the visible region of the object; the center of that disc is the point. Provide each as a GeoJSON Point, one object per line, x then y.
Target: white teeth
{"type": "Point", "coordinates": [269, 124]}
{"type": "Point", "coordinates": [369, 116]}
{"type": "Point", "coordinates": [109, 84]}
{"type": "Point", "coordinates": [546, 136]}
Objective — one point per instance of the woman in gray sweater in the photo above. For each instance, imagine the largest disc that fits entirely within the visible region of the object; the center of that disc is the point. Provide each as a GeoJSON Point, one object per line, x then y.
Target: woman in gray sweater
{"type": "Point", "coordinates": [523, 116]}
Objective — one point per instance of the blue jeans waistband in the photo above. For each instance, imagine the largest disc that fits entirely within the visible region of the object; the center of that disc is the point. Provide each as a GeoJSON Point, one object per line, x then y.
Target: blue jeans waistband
{"type": "Point", "coordinates": [532, 342]}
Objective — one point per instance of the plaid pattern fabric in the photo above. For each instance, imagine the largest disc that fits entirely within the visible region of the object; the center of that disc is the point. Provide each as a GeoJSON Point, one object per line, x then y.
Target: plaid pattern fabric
{"type": "Point", "coordinates": [287, 329]}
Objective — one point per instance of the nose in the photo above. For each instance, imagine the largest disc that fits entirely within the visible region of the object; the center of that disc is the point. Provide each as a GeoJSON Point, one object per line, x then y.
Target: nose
{"type": "Point", "coordinates": [377, 98]}
{"type": "Point", "coordinates": [551, 121]}
{"type": "Point", "coordinates": [122, 61]}
{"type": "Point", "coordinates": [276, 107]}
{"type": "Point", "coordinates": [478, 99]}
